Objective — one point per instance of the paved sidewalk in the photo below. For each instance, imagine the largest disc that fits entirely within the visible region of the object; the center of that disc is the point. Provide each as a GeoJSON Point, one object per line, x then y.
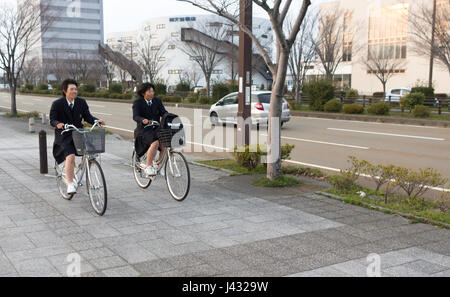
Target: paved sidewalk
{"type": "Point", "coordinates": [224, 228]}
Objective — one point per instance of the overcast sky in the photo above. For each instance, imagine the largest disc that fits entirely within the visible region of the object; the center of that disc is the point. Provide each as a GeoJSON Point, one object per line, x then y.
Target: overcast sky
{"type": "Point", "coordinates": [127, 15]}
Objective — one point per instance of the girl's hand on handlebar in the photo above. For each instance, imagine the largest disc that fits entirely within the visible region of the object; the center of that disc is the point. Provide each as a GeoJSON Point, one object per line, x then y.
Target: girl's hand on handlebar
{"type": "Point", "coordinates": [60, 126]}
{"type": "Point", "coordinates": [145, 121]}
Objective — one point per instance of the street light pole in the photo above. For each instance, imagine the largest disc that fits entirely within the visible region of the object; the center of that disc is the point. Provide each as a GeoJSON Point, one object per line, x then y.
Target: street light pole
{"type": "Point", "coordinates": [245, 73]}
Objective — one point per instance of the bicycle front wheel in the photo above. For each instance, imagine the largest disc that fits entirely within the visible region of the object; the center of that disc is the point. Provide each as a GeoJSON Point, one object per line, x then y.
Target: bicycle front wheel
{"type": "Point", "coordinates": [140, 177]}
{"type": "Point", "coordinates": [178, 177]}
{"type": "Point", "coordinates": [96, 187]}
{"type": "Point", "coordinates": [61, 181]}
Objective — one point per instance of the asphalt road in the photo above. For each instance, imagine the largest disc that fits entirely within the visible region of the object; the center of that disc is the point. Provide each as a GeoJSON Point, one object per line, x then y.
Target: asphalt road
{"type": "Point", "coordinates": [320, 143]}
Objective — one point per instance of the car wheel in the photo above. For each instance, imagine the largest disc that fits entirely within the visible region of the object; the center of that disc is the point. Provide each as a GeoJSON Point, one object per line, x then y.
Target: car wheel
{"type": "Point", "coordinates": [214, 119]}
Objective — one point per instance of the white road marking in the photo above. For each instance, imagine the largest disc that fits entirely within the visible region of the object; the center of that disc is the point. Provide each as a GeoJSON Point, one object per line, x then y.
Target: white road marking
{"type": "Point", "coordinates": [322, 142]}
{"type": "Point", "coordinates": [388, 134]}
{"type": "Point", "coordinates": [373, 123]}
{"type": "Point", "coordinates": [90, 104]}
{"type": "Point", "coordinates": [21, 110]}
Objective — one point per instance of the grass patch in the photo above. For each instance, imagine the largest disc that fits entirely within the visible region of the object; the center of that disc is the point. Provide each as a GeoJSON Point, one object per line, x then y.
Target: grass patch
{"type": "Point", "coordinates": [25, 115]}
{"type": "Point", "coordinates": [304, 171]}
{"type": "Point", "coordinates": [417, 207]}
{"type": "Point", "coordinates": [232, 165]}
{"type": "Point", "coordinates": [281, 182]}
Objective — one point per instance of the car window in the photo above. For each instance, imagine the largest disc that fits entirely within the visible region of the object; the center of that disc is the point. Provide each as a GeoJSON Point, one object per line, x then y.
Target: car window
{"type": "Point", "coordinates": [395, 92]}
{"type": "Point", "coordinates": [405, 92]}
{"type": "Point", "coordinates": [230, 100]}
{"type": "Point", "coordinates": [264, 98]}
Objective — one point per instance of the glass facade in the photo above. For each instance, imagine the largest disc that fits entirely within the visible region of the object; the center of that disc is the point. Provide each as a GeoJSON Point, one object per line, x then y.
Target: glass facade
{"type": "Point", "coordinates": [388, 32]}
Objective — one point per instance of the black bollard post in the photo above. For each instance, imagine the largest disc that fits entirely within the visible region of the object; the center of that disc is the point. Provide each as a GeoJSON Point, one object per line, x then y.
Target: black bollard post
{"type": "Point", "coordinates": [43, 151]}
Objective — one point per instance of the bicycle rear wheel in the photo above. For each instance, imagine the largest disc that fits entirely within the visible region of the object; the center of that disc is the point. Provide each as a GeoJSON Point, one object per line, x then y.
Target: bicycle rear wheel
{"type": "Point", "coordinates": [61, 181]}
{"type": "Point", "coordinates": [178, 177]}
{"type": "Point", "coordinates": [96, 187]}
{"type": "Point", "coordinates": [139, 175]}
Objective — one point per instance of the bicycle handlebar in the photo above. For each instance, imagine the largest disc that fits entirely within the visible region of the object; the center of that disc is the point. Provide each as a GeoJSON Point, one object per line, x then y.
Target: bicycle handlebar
{"type": "Point", "coordinates": [68, 127]}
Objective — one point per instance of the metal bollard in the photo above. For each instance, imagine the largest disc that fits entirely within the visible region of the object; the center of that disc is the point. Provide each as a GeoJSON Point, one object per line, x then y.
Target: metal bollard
{"type": "Point", "coordinates": [43, 152]}
{"type": "Point", "coordinates": [31, 125]}
{"type": "Point", "coordinates": [44, 118]}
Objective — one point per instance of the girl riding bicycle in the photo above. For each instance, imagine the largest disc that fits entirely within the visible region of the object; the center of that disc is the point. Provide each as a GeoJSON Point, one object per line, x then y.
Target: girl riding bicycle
{"type": "Point", "coordinates": [148, 108]}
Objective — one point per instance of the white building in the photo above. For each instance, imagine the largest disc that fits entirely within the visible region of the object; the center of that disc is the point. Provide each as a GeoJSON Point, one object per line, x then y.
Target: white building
{"type": "Point", "coordinates": [167, 32]}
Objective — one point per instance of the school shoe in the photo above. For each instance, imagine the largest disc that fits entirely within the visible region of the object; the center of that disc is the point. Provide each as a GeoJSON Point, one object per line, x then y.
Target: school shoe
{"type": "Point", "coordinates": [71, 189]}
{"type": "Point", "coordinates": [150, 171]}
{"type": "Point", "coordinates": [156, 166]}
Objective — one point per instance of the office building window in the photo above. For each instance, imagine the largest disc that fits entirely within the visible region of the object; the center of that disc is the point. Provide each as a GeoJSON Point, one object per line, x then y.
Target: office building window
{"type": "Point", "coordinates": [175, 71]}
{"type": "Point", "coordinates": [171, 46]}
{"type": "Point", "coordinates": [161, 26]}
{"type": "Point", "coordinates": [388, 32]}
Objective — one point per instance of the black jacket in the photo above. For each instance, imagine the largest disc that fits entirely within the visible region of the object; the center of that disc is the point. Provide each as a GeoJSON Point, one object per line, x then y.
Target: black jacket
{"type": "Point", "coordinates": [60, 112]}
{"type": "Point", "coordinates": [141, 111]}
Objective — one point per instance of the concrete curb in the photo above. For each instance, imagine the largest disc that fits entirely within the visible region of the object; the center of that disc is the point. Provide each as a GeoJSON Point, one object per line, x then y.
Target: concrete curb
{"type": "Point", "coordinates": [213, 167]}
{"type": "Point", "coordinates": [390, 211]}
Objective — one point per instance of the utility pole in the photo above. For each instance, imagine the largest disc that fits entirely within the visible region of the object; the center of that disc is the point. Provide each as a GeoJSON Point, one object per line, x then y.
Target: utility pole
{"type": "Point", "coordinates": [245, 74]}
{"type": "Point", "coordinates": [433, 29]}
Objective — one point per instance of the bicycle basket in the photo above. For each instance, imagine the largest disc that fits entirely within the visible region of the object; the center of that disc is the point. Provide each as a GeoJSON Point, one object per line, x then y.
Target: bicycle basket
{"type": "Point", "coordinates": [165, 137]}
{"type": "Point", "coordinates": [89, 143]}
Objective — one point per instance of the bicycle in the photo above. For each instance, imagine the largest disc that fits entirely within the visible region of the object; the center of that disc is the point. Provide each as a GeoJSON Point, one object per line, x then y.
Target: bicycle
{"type": "Point", "coordinates": [89, 144]}
{"type": "Point", "coordinates": [176, 169]}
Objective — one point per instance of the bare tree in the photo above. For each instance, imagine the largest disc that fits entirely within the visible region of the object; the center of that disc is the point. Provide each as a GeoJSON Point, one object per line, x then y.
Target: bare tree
{"type": "Point", "coordinates": [421, 21]}
{"type": "Point", "coordinates": [192, 76]}
{"type": "Point", "coordinates": [203, 43]}
{"type": "Point", "coordinates": [302, 54]}
{"type": "Point", "coordinates": [20, 28]}
{"type": "Point", "coordinates": [383, 67]}
{"type": "Point", "coordinates": [285, 40]}
{"type": "Point", "coordinates": [31, 70]}
{"type": "Point", "coordinates": [152, 56]}
{"type": "Point", "coordinates": [334, 43]}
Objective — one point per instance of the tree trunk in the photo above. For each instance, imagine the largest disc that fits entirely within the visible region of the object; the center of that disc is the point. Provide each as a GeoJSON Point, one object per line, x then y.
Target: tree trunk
{"type": "Point", "coordinates": [208, 85]}
{"type": "Point", "coordinates": [298, 91]}
{"type": "Point", "coordinates": [12, 88]}
{"type": "Point", "coordinates": [384, 89]}
{"type": "Point", "coordinates": [274, 131]}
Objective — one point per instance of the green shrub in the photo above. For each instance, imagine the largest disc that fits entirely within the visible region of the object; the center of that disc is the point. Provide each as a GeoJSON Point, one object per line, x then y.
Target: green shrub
{"type": "Point", "coordinates": [250, 157]}
{"type": "Point", "coordinates": [426, 91]}
{"type": "Point", "coordinates": [29, 87]}
{"type": "Point", "coordinates": [286, 151]}
{"type": "Point", "coordinates": [413, 99]}
{"type": "Point", "coordinates": [115, 88]}
{"type": "Point", "coordinates": [334, 105]}
{"type": "Point", "coordinates": [172, 99]}
{"type": "Point", "coordinates": [183, 86]}
{"type": "Point", "coordinates": [340, 183]}
{"type": "Point", "coordinates": [379, 108]}
{"type": "Point", "coordinates": [89, 88]}
{"type": "Point", "coordinates": [220, 90]}
{"type": "Point", "coordinates": [353, 109]}
{"type": "Point", "coordinates": [421, 111]}
{"type": "Point", "coordinates": [192, 99]}
{"type": "Point", "coordinates": [318, 93]}
{"type": "Point", "coordinates": [416, 183]}
{"type": "Point", "coordinates": [43, 87]}
{"type": "Point", "coordinates": [233, 88]}
{"type": "Point", "coordinates": [160, 89]}
{"type": "Point", "coordinates": [351, 94]}
{"type": "Point", "coordinates": [203, 100]}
